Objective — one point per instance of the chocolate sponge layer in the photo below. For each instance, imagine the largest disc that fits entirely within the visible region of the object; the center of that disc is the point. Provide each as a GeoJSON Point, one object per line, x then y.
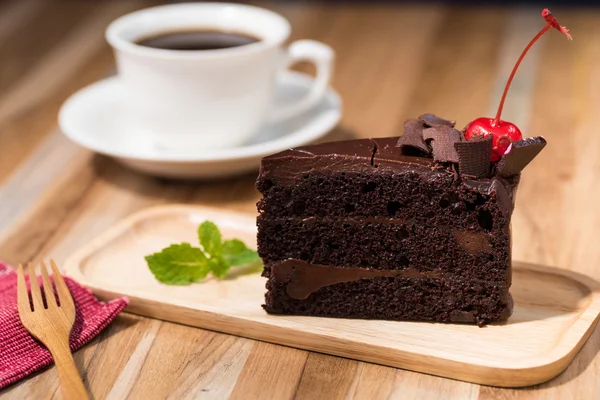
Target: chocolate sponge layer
{"type": "Point", "coordinates": [386, 244]}
{"type": "Point", "coordinates": [432, 199]}
{"type": "Point", "coordinates": [397, 299]}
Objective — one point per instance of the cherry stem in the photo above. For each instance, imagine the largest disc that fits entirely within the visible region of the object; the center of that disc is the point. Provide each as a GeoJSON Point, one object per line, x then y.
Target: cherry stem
{"type": "Point", "coordinates": [552, 23]}
{"type": "Point", "coordinates": [512, 74]}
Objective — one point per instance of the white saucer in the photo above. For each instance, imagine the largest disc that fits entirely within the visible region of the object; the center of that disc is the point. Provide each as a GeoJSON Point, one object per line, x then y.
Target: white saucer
{"type": "Point", "coordinates": [95, 117]}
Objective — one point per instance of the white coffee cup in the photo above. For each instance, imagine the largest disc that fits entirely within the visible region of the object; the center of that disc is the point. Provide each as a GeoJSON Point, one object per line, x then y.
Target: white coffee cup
{"type": "Point", "coordinates": [210, 99]}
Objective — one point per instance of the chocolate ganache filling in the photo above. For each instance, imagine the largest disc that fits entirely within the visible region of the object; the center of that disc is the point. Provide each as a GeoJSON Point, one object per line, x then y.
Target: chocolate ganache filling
{"type": "Point", "coordinates": [304, 278]}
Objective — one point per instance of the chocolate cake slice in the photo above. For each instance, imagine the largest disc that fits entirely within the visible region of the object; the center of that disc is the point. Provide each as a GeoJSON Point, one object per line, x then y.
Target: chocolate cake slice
{"type": "Point", "coordinates": [403, 228]}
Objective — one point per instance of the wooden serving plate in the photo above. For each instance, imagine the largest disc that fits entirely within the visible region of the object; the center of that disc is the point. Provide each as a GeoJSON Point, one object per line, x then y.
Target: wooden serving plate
{"type": "Point", "coordinates": [555, 310]}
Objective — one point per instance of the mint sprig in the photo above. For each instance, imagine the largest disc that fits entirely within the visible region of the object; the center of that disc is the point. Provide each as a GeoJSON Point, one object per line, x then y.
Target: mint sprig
{"type": "Point", "coordinates": [181, 264]}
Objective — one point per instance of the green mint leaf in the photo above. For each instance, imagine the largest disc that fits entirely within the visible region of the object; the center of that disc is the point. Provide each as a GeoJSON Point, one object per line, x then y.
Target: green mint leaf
{"type": "Point", "coordinates": [181, 264]}
{"type": "Point", "coordinates": [236, 253]}
{"type": "Point", "coordinates": [178, 264]}
{"type": "Point", "coordinates": [210, 238]}
{"type": "Point", "coordinates": [218, 266]}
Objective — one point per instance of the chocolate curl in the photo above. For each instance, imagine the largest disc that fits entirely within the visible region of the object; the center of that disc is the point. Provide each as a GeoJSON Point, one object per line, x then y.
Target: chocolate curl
{"type": "Point", "coordinates": [475, 156]}
{"type": "Point", "coordinates": [518, 155]}
{"type": "Point", "coordinates": [433, 120]}
{"type": "Point", "coordinates": [443, 139]}
{"type": "Point", "coordinates": [413, 136]}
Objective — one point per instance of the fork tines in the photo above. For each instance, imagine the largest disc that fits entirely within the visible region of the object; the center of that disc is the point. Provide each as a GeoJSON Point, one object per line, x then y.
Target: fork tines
{"type": "Point", "coordinates": [65, 301]}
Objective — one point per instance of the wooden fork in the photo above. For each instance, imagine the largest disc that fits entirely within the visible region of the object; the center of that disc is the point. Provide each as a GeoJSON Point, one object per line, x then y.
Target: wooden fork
{"type": "Point", "coordinates": [51, 325]}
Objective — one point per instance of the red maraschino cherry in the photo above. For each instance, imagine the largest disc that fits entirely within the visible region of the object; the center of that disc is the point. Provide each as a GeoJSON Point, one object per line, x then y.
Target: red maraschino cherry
{"type": "Point", "coordinates": [503, 132]}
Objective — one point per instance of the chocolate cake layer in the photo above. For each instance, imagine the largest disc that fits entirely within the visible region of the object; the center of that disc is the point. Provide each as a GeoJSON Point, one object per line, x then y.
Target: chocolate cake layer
{"type": "Point", "coordinates": [389, 245]}
{"type": "Point", "coordinates": [401, 195]}
{"type": "Point", "coordinates": [299, 288]}
{"type": "Point", "coordinates": [303, 184]}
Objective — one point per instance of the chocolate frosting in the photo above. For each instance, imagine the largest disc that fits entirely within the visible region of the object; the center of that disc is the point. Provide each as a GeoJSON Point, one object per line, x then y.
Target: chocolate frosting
{"type": "Point", "coordinates": [360, 155]}
{"type": "Point", "coordinates": [303, 278]}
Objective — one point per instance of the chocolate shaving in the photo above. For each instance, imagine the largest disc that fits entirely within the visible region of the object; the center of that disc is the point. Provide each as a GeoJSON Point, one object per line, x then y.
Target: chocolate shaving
{"type": "Point", "coordinates": [518, 155]}
{"type": "Point", "coordinates": [475, 156]}
{"type": "Point", "coordinates": [413, 136]}
{"type": "Point", "coordinates": [433, 120]}
{"type": "Point", "coordinates": [443, 139]}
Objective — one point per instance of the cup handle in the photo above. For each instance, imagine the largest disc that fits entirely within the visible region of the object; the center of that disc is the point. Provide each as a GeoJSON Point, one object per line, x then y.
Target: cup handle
{"type": "Point", "coordinates": [322, 56]}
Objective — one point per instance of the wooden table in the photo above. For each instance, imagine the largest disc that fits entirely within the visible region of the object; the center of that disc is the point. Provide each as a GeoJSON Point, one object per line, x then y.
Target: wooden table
{"type": "Point", "coordinates": [393, 62]}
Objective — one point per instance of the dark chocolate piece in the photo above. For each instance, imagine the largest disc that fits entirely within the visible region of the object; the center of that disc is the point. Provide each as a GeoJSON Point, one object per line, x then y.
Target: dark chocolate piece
{"type": "Point", "coordinates": [413, 136]}
{"type": "Point", "coordinates": [518, 155]}
{"type": "Point", "coordinates": [443, 139]}
{"type": "Point", "coordinates": [475, 156]}
{"type": "Point", "coordinates": [303, 278]}
{"type": "Point", "coordinates": [433, 120]}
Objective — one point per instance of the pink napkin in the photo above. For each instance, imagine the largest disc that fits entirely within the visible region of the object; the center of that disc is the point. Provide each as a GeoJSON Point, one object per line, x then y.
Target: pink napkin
{"type": "Point", "coordinates": [21, 354]}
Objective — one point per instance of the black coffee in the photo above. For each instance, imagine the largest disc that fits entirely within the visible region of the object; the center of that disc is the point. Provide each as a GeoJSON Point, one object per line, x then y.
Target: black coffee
{"type": "Point", "coordinates": [197, 40]}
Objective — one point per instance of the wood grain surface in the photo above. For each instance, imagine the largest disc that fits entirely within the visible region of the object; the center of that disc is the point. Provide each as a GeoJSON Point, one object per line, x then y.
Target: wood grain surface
{"type": "Point", "coordinates": [393, 62]}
